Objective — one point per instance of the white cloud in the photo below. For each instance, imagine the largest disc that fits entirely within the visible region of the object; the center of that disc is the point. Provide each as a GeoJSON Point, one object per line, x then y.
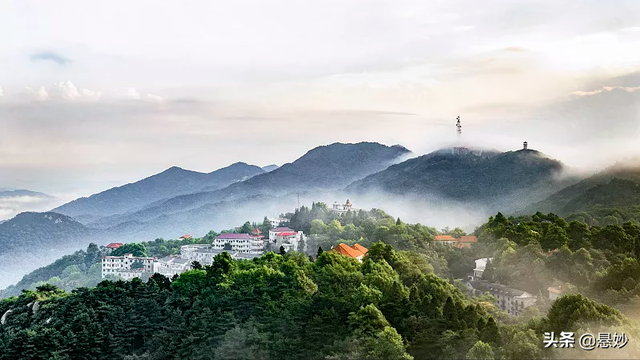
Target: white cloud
{"type": "Point", "coordinates": [629, 89]}
{"type": "Point", "coordinates": [153, 98]}
{"type": "Point", "coordinates": [68, 91]}
{"type": "Point", "coordinates": [39, 94]}
{"type": "Point", "coordinates": [91, 95]}
{"type": "Point", "coordinates": [127, 93]}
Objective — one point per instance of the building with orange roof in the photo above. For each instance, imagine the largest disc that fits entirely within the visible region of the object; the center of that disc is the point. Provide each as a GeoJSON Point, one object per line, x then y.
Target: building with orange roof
{"type": "Point", "coordinates": [357, 251]}
{"type": "Point", "coordinates": [186, 237]}
{"type": "Point", "coordinates": [361, 248]}
{"type": "Point", "coordinates": [555, 292]}
{"type": "Point", "coordinates": [461, 242]}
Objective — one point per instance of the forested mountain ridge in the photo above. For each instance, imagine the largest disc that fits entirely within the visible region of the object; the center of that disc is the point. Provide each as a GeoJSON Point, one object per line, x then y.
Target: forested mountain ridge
{"type": "Point", "coordinates": [613, 193]}
{"type": "Point", "coordinates": [467, 177]}
{"type": "Point", "coordinates": [33, 238]}
{"type": "Point", "coordinates": [325, 167]}
{"type": "Point", "coordinates": [169, 183]}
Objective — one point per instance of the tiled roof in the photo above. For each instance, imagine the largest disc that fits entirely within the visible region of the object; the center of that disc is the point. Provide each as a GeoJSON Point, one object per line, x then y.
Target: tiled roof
{"type": "Point", "coordinates": [114, 245]}
{"type": "Point", "coordinates": [286, 233]}
{"type": "Point", "coordinates": [186, 236]}
{"type": "Point", "coordinates": [281, 229]}
{"type": "Point", "coordinates": [472, 239]}
{"type": "Point", "coordinates": [360, 248]}
{"type": "Point", "coordinates": [444, 238]}
{"type": "Point", "coordinates": [234, 236]}
{"type": "Point", "coordinates": [345, 249]}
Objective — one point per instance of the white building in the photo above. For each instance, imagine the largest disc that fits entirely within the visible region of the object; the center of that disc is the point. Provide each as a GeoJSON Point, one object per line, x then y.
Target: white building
{"type": "Point", "coordinates": [275, 222]}
{"type": "Point", "coordinates": [121, 266]}
{"type": "Point", "coordinates": [342, 208]}
{"type": "Point", "coordinates": [273, 232]}
{"type": "Point", "coordinates": [202, 253]}
{"type": "Point", "coordinates": [242, 243]}
{"type": "Point", "coordinates": [290, 240]}
{"type": "Point", "coordinates": [513, 301]}
{"type": "Point", "coordinates": [171, 265]}
{"type": "Point", "coordinates": [481, 265]}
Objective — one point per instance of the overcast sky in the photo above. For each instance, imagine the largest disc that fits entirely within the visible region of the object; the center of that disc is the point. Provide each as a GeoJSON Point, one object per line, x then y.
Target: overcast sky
{"type": "Point", "coordinates": [97, 94]}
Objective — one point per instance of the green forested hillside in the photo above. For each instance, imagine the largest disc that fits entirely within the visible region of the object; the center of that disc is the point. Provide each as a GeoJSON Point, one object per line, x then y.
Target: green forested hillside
{"type": "Point", "coordinates": [279, 307]}
{"type": "Point", "coordinates": [610, 197]}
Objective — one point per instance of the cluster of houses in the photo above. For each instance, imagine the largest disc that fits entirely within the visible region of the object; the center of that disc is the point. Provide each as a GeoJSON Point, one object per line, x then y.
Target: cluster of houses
{"type": "Point", "coordinates": [239, 246]}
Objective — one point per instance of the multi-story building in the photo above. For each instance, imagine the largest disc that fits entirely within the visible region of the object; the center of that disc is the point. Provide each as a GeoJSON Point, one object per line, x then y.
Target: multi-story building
{"type": "Point", "coordinates": [275, 222]}
{"type": "Point", "coordinates": [127, 266]}
{"type": "Point", "coordinates": [171, 265]}
{"type": "Point", "coordinates": [513, 301]}
{"type": "Point", "coordinates": [202, 253]}
{"type": "Point", "coordinates": [289, 240]}
{"type": "Point", "coordinates": [481, 265]}
{"type": "Point", "coordinates": [242, 243]}
{"type": "Point", "coordinates": [275, 231]}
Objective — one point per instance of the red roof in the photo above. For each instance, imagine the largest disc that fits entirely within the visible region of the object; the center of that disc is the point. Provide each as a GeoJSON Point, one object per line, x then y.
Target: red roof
{"type": "Point", "coordinates": [256, 231]}
{"type": "Point", "coordinates": [444, 238]}
{"type": "Point", "coordinates": [288, 233]}
{"type": "Point", "coordinates": [346, 250]}
{"type": "Point", "coordinates": [472, 239]}
{"type": "Point", "coordinates": [234, 236]}
{"type": "Point", "coordinates": [114, 245]}
{"type": "Point", "coordinates": [186, 236]}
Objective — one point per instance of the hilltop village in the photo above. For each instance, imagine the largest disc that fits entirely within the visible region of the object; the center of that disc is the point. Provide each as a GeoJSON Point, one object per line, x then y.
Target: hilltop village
{"type": "Point", "coordinates": [283, 239]}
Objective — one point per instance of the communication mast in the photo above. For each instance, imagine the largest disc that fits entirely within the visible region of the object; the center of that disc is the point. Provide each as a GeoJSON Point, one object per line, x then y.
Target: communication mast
{"type": "Point", "coordinates": [459, 126]}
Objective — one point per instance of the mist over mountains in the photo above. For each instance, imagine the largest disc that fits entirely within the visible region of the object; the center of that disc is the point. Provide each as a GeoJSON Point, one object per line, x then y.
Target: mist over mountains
{"type": "Point", "coordinates": [169, 183]}
{"type": "Point", "coordinates": [459, 187]}
{"type": "Point", "coordinates": [15, 201]}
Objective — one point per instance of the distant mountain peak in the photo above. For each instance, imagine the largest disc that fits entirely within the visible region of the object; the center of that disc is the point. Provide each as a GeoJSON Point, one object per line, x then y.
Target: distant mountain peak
{"type": "Point", "coordinates": [270, 167]}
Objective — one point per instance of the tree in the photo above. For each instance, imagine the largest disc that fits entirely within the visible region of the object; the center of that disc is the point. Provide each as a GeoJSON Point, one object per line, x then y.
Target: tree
{"type": "Point", "coordinates": [227, 247]}
{"type": "Point", "coordinates": [457, 233]}
{"type": "Point", "coordinates": [266, 226]}
{"type": "Point", "coordinates": [489, 271]}
{"type": "Point", "coordinates": [480, 351]}
{"type": "Point", "coordinates": [137, 250]}
{"type": "Point", "coordinates": [282, 251]}
{"type": "Point", "coordinates": [246, 228]}
{"type": "Point", "coordinates": [137, 265]}
{"type": "Point", "coordinates": [320, 251]}
{"type": "Point", "coordinates": [195, 265]}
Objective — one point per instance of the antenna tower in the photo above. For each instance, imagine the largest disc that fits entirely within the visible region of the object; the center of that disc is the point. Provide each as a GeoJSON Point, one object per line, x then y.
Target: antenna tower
{"type": "Point", "coordinates": [459, 126]}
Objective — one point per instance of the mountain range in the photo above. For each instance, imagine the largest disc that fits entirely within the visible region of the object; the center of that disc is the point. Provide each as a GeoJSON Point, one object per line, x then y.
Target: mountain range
{"type": "Point", "coordinates": [167, 184]}
{"type": "Point", "coordinates": [178, 201]}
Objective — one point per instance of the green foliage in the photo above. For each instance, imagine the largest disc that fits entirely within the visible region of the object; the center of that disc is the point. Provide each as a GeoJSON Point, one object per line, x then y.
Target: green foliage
{"type": "Point", "coordinates": [571, 312]}
{"type": "Point", "coordinates": [138, 250]}
{"type": "Point", "coordinates": [480, 351]}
